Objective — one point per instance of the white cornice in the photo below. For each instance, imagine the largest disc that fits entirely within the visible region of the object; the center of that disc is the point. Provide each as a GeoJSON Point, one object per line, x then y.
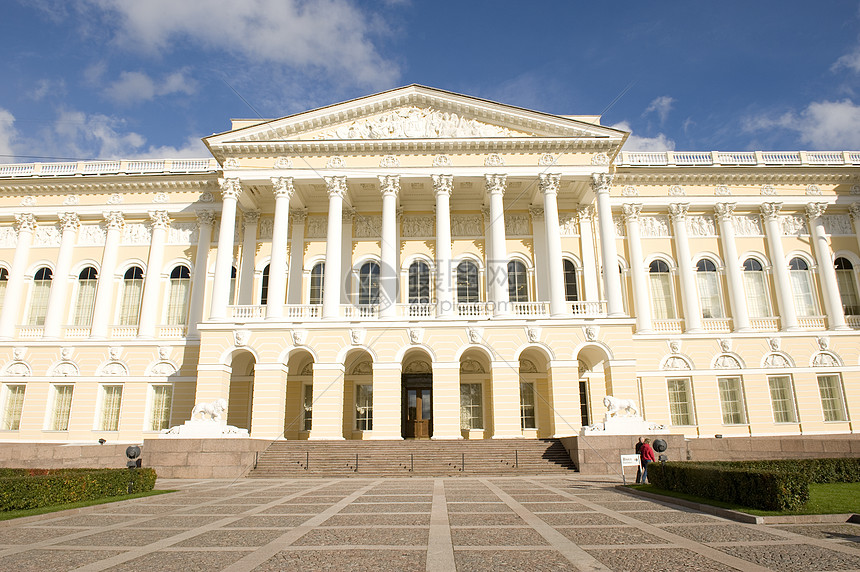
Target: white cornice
{"type": "Point", "coordinates": [95, 186]}
{"type": "Point", "coordinates": [717, 176]}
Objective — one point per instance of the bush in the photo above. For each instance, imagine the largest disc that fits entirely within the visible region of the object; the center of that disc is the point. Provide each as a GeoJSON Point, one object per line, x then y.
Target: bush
{"type": "Point", "coordinates": [817, 470]}
{"type": "Point", "coordinates": [32, 488]}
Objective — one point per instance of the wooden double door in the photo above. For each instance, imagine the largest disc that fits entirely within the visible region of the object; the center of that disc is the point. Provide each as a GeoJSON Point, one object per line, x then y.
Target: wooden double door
{"type": "Point", "coordinates": [417, 406]}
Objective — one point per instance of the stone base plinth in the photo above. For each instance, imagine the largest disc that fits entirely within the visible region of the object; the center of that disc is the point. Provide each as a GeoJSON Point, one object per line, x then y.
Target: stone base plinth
{"type": "Point", "coordinates": [204, 429]}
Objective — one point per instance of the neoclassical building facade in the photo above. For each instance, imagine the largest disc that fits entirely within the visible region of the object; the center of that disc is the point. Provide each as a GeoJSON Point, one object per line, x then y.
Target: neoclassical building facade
{"type": "Point", "coordinates": [419, 263]}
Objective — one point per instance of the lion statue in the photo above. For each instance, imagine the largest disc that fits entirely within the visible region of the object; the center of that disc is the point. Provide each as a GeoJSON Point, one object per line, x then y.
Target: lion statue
{"type": "Point", "coordinates": [213, 409]}
{"type": "Point", "coordinates": [614, 405]}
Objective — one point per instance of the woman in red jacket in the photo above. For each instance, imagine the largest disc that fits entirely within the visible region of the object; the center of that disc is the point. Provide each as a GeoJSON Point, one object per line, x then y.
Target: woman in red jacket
{"type": "Point", "coordinates": [647, 453]}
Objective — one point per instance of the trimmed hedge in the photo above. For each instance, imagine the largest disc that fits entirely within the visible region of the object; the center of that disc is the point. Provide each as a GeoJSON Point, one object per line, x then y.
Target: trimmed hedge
{"type": "Point", "coordinates": [22, 489]}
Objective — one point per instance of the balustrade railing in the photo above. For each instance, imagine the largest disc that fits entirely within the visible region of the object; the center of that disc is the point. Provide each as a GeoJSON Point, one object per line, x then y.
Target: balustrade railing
{"type": "Point", "coordinates": [717, 325]}
{"type": "Point", "coordinates": [704, 158]}
{"type": "Point", "coordinates": [124, 332]}
{"type": "Point", "coordinates": [107, 167]}
{"type": "Point", "coordinates": [426, 310]}
{"type": "Point", "coordinates": [583, 308]}
{"type": "Point", "coordinates": [253, 312]}
{"type": "Point", "coordinates": [530, 308]}
{"type": "Point", "coordinates": [350, 311]}
{"type": "Point", "coordinates": [769, 324]}
{"type": "Point", "coordinates": [473, 309]}
{"type": "Point", "coordinates": [853, 322]}
{"type": "Point", "coordinates": [171, 332]}
{"type": "Point", "coordinates": [667, 326]}
{"type": "Point", "coordinates": [30, 332]}
{"type": "Point", "coordinates": [303, 311]}
{"type": "Point", "coordinates": [811, 323]}
{"type": "Point", "coordinates": [736, 157]}
{"type": "Point", "coordinates": [77, 332]}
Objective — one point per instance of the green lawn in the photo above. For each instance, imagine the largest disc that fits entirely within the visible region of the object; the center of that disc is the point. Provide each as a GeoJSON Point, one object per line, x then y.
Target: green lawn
{"type": "Point", "coordinates": [834, 498]}
{"type": "Point", "coordinates": [56, 508]}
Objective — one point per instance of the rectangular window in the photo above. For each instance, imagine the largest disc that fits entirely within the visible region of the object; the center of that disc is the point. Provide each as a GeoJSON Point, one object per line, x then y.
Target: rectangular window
{"type": "Point", "coordinates": [178, 301]}
{"type": "Point", "coordinates": [527, 405]}
{"type": "Point", "coordinates": [732, 401]}
{"type": "Point", "coordinates": [709, 294]}
{"type": "Point", "coordinates": [471, 406]}
{"type": "Point", "coordinates": [129, 312]}
{"type": "Point", "coordinates": [680, 402]}
{"type": "Point", "coordinates": [364, 407]}
{"type": "Point", "coordinates": [756, 293]}
{"type": "Point", "coordinates": [86, 302]}
{"type": "Point", "coordinates": [661, 296]}
{"type": "Point", "coordinates": [111, 399]}
{"type": "Point", "coordinates": [307, 405]}
{"type": "Point", "coordinates": [803, 293]}
{"type": "Point", "coordinates": [832, 401]}
{"type": "Point", "coordinates": [61, 407]}
{"type": "Point", "coordinates": [39, 302]}
{"type": "Point", "coordinates": [782, 399]}
{"type": "Point", "coordinates": [161, 399]}
{"type": "Point", "coordinates": [13, 404]}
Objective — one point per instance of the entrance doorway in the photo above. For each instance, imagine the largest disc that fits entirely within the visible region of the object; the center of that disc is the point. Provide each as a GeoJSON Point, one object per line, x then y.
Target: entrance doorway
{"type": "Point", "coordinates": [417, 406]}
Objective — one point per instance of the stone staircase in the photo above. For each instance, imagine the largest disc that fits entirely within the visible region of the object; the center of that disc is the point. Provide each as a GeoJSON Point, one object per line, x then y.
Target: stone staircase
{"type": "Point", "coordinates": [412, 458]}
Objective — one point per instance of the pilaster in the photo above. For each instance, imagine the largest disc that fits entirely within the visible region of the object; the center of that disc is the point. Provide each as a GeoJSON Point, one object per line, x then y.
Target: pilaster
{"type": "Point", "coordinates": [270, 400]}
{"type": "Point", "coordinates": [446, 400]}
{"type": "Point", "coordinates": [249, 253]}
{"type": "Point", "coordinates": [328, 402]}
{"type": "Point", "coordinates": [506, 400]}
{"type": "Point", "coordinates": [387, 395]}
{"type": "Point", "coordinates": [564, 393]}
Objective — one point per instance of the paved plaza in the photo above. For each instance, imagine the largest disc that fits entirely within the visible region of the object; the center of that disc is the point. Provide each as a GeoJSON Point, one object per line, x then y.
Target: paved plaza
{"type": "Point", "coordinates": [445, 524]}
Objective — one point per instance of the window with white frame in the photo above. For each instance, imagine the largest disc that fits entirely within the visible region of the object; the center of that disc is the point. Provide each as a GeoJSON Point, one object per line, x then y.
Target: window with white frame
{"type": "Point", "coordinates": [755, 289]}
{"type": "Point", "coordinates": [419, 283]}
{"type": "Point", "coordinates": [782, 399]}
{"type": "Point", "coordinates": [471, 406]}
{"type": "Point", "coordinates": [732, 401]}
{"type": "Point", "coordinates": [368, 284]}
{"type": "Point", "coordinates": [662, 300]}
{"type": "Point", "coordinates": [132, 290]}
{"type": "Point", "coordinates": [177, 297]}
{"type": "Point", "coordinates": [832, 399]}
{"type": "Point", "coordinates": [111, 400]}
{"type": "Point", "coordinates": [264, 286]}
{"type": "Point", "coordinates": [467, 282]}
{"type": "Point", "coordinates": [307, 406]}
{"type": "Point", "coordinates": [847, 281]}
{"type": "Point", "coordinates": [61, 407]}
{"type": "Point", "coordinates": [364, 407]}
{"type": "Point", "coordinates": [708, 281]}
{"type": "Point", "coordinates": [160, 401]}
{"type": "Point", "coordinates": [86, 297]}
{"type": "Point", "coordinates": [317, 280]}
{"type": "Point", "coordinates": [680, 401]}
{"type": "Point", "coordinates": [527, 405]}
{"type": "Point", "coordinates": [801, 287]}
{"type": "Point", "coordinates": [571, 286]}
{"type": "Point", "coordinates": [39, 297]}
{"type": "Point", "coordinates": [4, 281]}
{"type": "Point", "coordinates": [518, 282]}
{"type": "Point", "coordinates": [13, 404]}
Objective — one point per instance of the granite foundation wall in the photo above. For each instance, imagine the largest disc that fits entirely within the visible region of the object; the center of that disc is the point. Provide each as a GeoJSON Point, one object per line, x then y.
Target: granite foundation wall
{"type": "Point", "coordinates": [788, 447]}
{"type": "Point", "coordinates": [601, 454]}
{"type": "Point", "coordinates": [202, 458]}
{"type": "Point", "coordinates": [63, 456]}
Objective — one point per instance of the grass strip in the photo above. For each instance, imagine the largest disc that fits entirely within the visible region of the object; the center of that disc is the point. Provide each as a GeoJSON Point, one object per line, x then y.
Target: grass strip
{"type": "Point", "coordinates": [8, 515]}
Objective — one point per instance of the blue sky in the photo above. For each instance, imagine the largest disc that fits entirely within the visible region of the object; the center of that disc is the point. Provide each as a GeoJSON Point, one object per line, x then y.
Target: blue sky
{"type": "Point", "coordinates": [99, 79]}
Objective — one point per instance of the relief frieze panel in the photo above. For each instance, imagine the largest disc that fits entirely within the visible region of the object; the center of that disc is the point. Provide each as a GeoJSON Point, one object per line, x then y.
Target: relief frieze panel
{"type": "Point", "coordinates": [838, 224]}
{"type": "Point", "coordinates": [418, 226]}
{"type": "Point", "coordinates": [367, 226]}
{"type": "Point", "coordinates": [568, 224]}
{"type": "Point", "coordinates": [654, 226]}
{"type": "Point", "coordinates": [182, 233]}
{"type": "Point", "coordinates": [701, 225]}
{"type": "Point", "coordinates": [91, 235]}
{"type": "Point", "coordinates": [317, 226]}
{"type": "Point", "coordinates": [748, 225]}
{"type": "Point", "coordinates": [48, 235]}
{"type": "Point", "coordinates": [136, 233]}
{"type": "Point", "coordinates": [793, 225]}
{"type": "Point", "coordinates": [467, 225]}
{"type": "Point", "coordinates": [517, 224]}
{"type": "Point", "coordinates": [8, 237]}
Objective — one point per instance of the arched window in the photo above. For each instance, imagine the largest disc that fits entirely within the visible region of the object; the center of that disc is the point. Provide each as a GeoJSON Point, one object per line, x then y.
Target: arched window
{"type": "Point", "coordinates": [368, 284]}
{"type": "Point", "coordinates": [177, 298]}
{"type": "Point", "coordinates": [518, 282]}
{"type": "Point", "coordinates": [847, 281]}
{"type": "Point", "coordinates": [419, 283]}
{"type": "Point", "coordinates": [232, 298]}
{"type": "Point", "coordinates": [467, 282]}
{"type": "Point", "coordinates": [571, 288]}
{"type": "Point", "coordinates": [801, 287]}
{"type": "Point", "coordinates": [4, 280]}
{"type": "Point", "coordinates": [317, 276]}
{"type": "Point", "coordinates": [132, 290]}
{"type": "Point", "coordinates": [755, 288]}
{"type": "Point", "coordinates": [264, 286]}
{"type": "Point", "coordinates": [39, 298]}
{"type": "Point", "coordinates": [662, 301]}
{"type": "Point", "coordinates": [86, 299]}
{"type": "Point", "coordinates": [709, 289]}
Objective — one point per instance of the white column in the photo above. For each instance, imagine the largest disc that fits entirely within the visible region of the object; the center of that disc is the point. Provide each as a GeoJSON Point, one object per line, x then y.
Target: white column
{"type": "Point", "coordinates": [826, 270]}
{"type": "Point", "coordinates": [600, 183]}
{"type": "Point", "coordinates": [12, 303]}
{"type": "Point", "coordinates": [689, 291]}
{"type": "Point", "coordinates": [59, 285]}
{"type": "Point", "coordinates": [283, 190]}
{"type": "Point", "coordinates": [444, 283]}
{"type": "Point", "coordinates": [205, 221]}
{"type": "Point", "coordinates": [641, 301]}
{"type": "Point", "coordinates": [784, 299]}
{"type": "Point", "coordinates": [230, 191]}
{"type": "Point", "coordinates": [347, 280]}
{"type": "Point", "coordinates": [549, 184]}
{"type": "Point", "coordinates": [332, 276]}
{"type": "Point", "coordinates": [297, 246]}
{"type": "Point", "coordinates": [541, 262]}
{"type": "Point", "coordinates": [585, 218]}
{"type": "Point", "coordinates": [737, 297]}
{"type": "Point", "coordinates": [389, 186]}
{"type": "Point", "coordinates": [103, 306]}
{"type": "Point", "coordinates": [249, 251]}
{"type": "Point", "coordinates": [497, 266]}
{"type": "Point", "coordinates": [149, 311]}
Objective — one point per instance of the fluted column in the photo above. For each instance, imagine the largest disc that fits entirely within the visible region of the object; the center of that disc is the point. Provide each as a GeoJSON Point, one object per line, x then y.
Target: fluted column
{"type": "Point", "coordinates": [12, 303]}
{"type": "Point", "coordinates": [205, 221]}
{"type": "Point", "coordinates": [442, 185]}
{"type": "Point", "coordinates": [149, 312]}
{"type": "Point", "coordinates": [69, 223]}
{"type": "Point", "coordinates": [689, 291]}
{"type": "Point", "coordinates": [230, 191]}
{"type": "Point", "coordinates": [541, 263]}
{"type": "Point", "coordinates": [105, 285]}
{"type": "Point", "coordinates": [585, 218]}
{"type": "Point", "coordinates": [297, 246]}
{"type": "Point", "coordinates": [784, 299]}
{"type": "Point", "coordinates": [600, 183]}
{"type": "Point", "coordinates": [826, 270]}
{"type": "Point", "coordinates": [641, 301]}
{"type": "Point", "coordinates": [251, 220]}
{"type": "Point", "coordinates": [389, 186]}
{"type": "Point", "coordinates": [737, 297]}
{"type": "Point", "coordinates": [549, 184]}
{"type": "Point", "coordinates": [498, 261]}
{"type": "Point", "coordinates": [283, 190]}
{"type": "Point", "coordinates": [332, 277]}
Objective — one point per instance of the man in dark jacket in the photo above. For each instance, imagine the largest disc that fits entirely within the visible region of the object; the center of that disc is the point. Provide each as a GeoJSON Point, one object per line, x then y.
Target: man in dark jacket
{"type": "Point", "coordinates": [639, 452]}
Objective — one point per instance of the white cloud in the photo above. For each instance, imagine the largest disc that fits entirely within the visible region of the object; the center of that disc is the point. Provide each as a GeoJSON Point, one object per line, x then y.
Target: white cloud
{"type": "Point", "coordinates": [661, 106]}
{"type": "Point", "coordinates": [822, 125]}
{"type": "Point", "coordinates": [193, 148]}
{"type": "Point", "coordinates": [8, 134]}
{"type": "Point", "coordinates": [134, 87]}
{"type": "Point", "coordinates": [332, 35]}
{"type": "Point", "coordinates": [46, 87]}
{"type": "Point", "coordinates": [636, 143]}
{"type": "Point", "coordinates": [80, 135]}
{"type": "Point", "coordinates": [848, 61]}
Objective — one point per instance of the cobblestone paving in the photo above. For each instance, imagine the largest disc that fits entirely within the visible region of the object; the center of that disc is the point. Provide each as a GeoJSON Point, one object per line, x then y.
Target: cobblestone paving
{"type": "Point", "coordinates": [445, 524]}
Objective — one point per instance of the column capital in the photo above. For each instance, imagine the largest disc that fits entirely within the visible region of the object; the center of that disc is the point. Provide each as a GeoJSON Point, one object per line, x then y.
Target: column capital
{"type": "Point", "coordinates": [25, 222]}
{"type": "Point", "coordinates": [536, 212]}
{"type": "Point", "coordinates": [815, 210]}
{"type": "Point", "coordinates": [159, 219]}
{"type": "Point", "coordinates": [443, 184]}
{"type": "Point", "coordinates": [336, 186]}
{"type": "Point", "coordinates": [549, 183]}
{"type": "Point", "coordinates": [854, 211]}
{"type": "Point", "coordinates": [770, 211]}
{"type": "Point", "coordinates": [496, 184]}
{"type": "Point", "coordinates": [630, 211]}
{"type": "Point", "coordinates": [69, 221]}
{"type": "Point", "coordinates": [584, 213]}
{"type": "Point", "coordinates": [347, 215]}
{"type": "Point", "coordinates": [298, 216]}
{"type": "Point", "coordinates": [600, 182]}
{"type": "Point", "coordinates": [251, 217]}
{"type": "Point", "coordinates": [678, 211]}
{"type": "Point", "coordinates": [205, 218]}
{"type": "Point", "coordinates": [114, 220]}
{"type": "Point", "coordinates": [389, 185]}
{"type": "Point", "coordinates": [724, 211]}
{"type": "Point", "coordinates": [230, 188]}
{"type": "Point", "coordinates": [282, 187]}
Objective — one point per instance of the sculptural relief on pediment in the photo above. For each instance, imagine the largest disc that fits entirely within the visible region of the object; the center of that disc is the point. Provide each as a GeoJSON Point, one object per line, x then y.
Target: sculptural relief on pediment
{"type": "Point", "coordinates": [748, 225]}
